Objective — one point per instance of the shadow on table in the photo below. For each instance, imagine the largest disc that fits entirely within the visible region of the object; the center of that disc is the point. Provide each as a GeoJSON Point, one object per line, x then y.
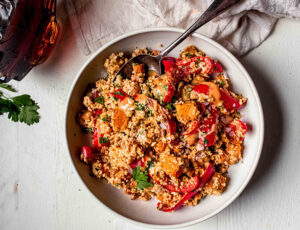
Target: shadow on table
{"type": "Point", "coordinates": [273, 124]}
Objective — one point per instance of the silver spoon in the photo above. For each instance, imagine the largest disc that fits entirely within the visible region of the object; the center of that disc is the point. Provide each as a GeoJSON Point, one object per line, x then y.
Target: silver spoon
{"type": "Point", "coordinates": [154, 62]}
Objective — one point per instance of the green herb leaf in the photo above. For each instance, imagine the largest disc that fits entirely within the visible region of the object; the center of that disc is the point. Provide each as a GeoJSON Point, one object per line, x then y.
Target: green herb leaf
{"type": "Point", "coordinates": [166, 87]}
{"type": "Point", "coordinates": [141, 177]}
{"type": "Point", "coordinates": [103, 140]}
{"type": "Point", "coordinates": [149, 113]}
{"type": "Point", "coordinates": [20, 108]}
{"type": "Point", "coordinates": [150, 164]}
{"type": "Point", "coordinates": [169, 107]}
{"type": "Point", "coordinates": [100, 100]}
{"type": "Point", "coordinates": [205, 141]}
{"type": "Point", "coordinates": [7, 87]}
{"type": "Point", "coordinates": [88, 130]}
{"type": "Point", "coordinates": [106, 118]}
{"type": "Point", "coordinates": [139, 107]}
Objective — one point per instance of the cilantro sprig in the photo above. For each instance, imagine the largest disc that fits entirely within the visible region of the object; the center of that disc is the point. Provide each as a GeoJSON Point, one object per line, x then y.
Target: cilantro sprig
{"type": "Point", "coordinates": [20, 108]}
{"type": "Point", "coordinates": [141, 177]}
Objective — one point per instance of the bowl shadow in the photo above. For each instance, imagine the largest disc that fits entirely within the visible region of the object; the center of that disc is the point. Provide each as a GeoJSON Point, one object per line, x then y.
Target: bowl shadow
{"type": "Point", "coordinates": [274, 123]}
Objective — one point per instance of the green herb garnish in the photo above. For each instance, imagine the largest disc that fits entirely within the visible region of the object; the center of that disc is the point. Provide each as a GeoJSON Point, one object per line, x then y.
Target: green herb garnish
{"type": "Point", "coordinates": [100, 100]}
{"type": "Point", "coordinates": [103, 140]}
{"type": "Point", "coordinates": [88, 130]}
{"type": "Point", "coordinates": [139, 107]}
{"type": "Point", "coordinates": [7, 87]}
{"type": "Point", "coordinates": [150, 164]}
{"type": "Point", "coordinates": [149, 113]}
{"type": "Point", "coordinates": [141, 177]}
{"type": "Point", "coordinates": [169, 106]}
{"type": "Point", "coordinates": [166, 87]}
{"type": "Point", "coordinates": [20, 108]}
{"type": "Point", "coordinates": [106, 118]}
{"type": "Point", "coordinates": [205, 141]}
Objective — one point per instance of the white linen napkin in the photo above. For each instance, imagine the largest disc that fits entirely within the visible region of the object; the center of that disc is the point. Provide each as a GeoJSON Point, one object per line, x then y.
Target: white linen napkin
{"type": "Point", "coordinates": [240, 29]}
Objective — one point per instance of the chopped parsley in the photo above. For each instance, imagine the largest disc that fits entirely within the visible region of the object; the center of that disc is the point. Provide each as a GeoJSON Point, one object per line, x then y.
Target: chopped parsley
{"type": "Point", "coordinates": [150, 164]}
{"type": "Point", "coordinates": [100, 100]}
{"type": "Point", "coordinates": [221, 83]}
{"type": "Point", "coordinates": [166, 87]}
{"type": "Point", "coordinates": [103, 140]}
{"type": "Point", "coordinates": [106, 118]}
{"type": "Point", "coordinates": [141, 177]}
{"type": "Point", "coordinates": [139, 107]}
{"type": "Point", "coordinates": [149, 113]}
{"type": "Point", "coordinates": [205, 141]}
{"type": "Point", "coordinates": [88, 130]}
{"type": "Point", "coordinates": [169, 106]}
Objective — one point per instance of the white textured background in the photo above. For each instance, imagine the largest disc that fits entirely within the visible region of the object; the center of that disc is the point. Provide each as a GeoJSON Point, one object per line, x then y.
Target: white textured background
{"type": "Point", "coordinates": [40, 190]}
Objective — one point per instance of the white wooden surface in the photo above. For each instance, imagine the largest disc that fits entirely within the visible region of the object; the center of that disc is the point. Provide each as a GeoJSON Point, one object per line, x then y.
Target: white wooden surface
{"type": "Point", "coordinates": [40, 190]}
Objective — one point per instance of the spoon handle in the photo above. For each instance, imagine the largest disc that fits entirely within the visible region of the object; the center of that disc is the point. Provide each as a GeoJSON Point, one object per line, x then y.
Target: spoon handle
{"type": "Point", "coordinates": [216, 8]}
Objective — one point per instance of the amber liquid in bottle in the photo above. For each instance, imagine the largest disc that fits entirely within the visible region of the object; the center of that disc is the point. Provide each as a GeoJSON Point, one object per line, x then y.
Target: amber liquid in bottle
{"type": "Point", "coordinates": [28, 33]}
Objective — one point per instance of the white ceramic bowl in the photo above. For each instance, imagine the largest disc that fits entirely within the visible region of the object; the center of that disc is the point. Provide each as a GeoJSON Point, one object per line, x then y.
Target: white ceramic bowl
{"type": "Point", "coordinates": [145, 213]}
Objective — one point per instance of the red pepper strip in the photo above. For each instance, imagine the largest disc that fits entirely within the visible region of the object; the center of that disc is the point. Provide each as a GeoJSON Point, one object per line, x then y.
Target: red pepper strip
{"type": "Point", "coordinates": [173, 75]}
{"type": "Point", "coordinates": [87, 153]}
{"type": "Point", "coordinates": [201, 88]}
{"type": "Point", "coordinates": [170, 93]}
{"type": "Point", "coordinates": [190, 185]}
{"type": "Point", "coordinates": [229, 102]}
{"type": "Point", "coordinates": [119, 94]}
{"type": "Point", "coordinates": [206, 175]}
{"type": "Point", "coordinates": [203, 180]}
{"type": "Point", "coordinates": [171, 124]}
{"type": "Point", "coordinates": [96, 139]}
{"type": "Point", "coordinates": [155, 180]}
{"type": "Point", "coordinates": [139, 162]}
{"type": "Point", "coordinates": [217, 68]}
{"type": "Point", "coordinates": [209, 126]}
{"type": "Point", "coordinates": [193, 128]}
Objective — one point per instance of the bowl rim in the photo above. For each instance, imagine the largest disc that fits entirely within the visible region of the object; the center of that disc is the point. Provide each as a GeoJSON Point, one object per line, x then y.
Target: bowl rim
{"type": "Point", "coordinates": [256, 96]}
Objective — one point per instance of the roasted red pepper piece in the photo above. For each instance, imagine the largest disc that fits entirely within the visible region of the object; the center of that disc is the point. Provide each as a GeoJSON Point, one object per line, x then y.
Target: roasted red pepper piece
{"type": "Point", "coordinates": [87, 153]}
{"type": "Point", "coordinates": [237, 130]}
{"type": "Point", "coordinates": [170, 93]}
{"type": "Point", "coordinates": [119, 94]}
{"type": "Point", "coordinates": [206, 175]}
{"type": "Point", "coordinates": [96, 136]}
{"type": "Point", "coordinates": [229, 102]}
{"type": "Point", "coordinates": [171, 124]}
{"type": "Point", "coordinates": [190, 185]}
{"type": "Point", "coordinates": [195, 125]}
{"type": "Point", "coordinates": [173, 75]}
{"type": "Point", "coordinates": [209, 128]}
{"type": "Point", "coordinates": [217, 68]}
{"type": "Point", "coordinates": [203, 180]}
{"type": "Point", "coordinates": [201, 88]}
{"type": "Point", "coordinates": [204, 68]}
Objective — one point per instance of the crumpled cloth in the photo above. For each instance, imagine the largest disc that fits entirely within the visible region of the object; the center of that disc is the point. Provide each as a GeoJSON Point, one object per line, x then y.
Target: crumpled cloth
{"type": "Point", "coordinates": [240, 29]}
